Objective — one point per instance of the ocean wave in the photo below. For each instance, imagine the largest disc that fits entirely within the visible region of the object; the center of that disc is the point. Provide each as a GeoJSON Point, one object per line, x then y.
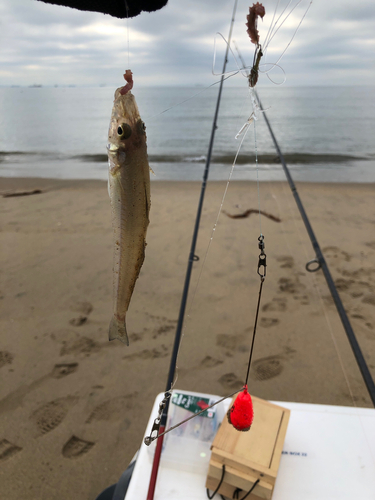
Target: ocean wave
{"type": "Point", "coordinates": [226, 158]}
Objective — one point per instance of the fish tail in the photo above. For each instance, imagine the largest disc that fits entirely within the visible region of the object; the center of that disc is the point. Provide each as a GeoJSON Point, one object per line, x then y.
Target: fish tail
{"type": "Point", "coordinates": [117, 330]}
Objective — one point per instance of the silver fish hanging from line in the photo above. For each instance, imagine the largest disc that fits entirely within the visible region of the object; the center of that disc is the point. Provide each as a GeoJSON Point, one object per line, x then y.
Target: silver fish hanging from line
{"type": "Point", "coordinates": [129, 191]}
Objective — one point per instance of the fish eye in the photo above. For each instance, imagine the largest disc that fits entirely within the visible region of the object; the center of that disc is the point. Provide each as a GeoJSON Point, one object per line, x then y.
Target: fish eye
{"type": "Point", "coordinates": [141, 127]}
{"type": "Point", "coordinates": [124, 131]}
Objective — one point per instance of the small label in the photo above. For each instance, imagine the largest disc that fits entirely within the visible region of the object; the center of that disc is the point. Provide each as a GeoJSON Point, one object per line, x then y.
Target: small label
{"type": "Point", "coordinates": [294, 453]}
{"type": "Point", "coordinates": [193, 404]}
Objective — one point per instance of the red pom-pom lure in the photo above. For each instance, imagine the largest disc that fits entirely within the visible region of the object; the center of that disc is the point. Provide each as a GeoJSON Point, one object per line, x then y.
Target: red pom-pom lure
{"type": "Point", "coordinates": [241, 413]}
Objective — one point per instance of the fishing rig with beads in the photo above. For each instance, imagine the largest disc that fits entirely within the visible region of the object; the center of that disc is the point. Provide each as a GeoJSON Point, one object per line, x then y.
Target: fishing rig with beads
{"type": "Point", "coordinates": [241, 413]}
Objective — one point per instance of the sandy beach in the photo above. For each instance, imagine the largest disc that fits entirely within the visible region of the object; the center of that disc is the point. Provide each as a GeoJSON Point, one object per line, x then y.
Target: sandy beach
{"type": "Point", "coordinates": [74, 406]}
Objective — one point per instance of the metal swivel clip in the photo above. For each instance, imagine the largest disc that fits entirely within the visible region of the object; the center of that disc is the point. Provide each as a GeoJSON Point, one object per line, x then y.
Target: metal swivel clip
{"type": "Point", "coordinates": [262, 258]}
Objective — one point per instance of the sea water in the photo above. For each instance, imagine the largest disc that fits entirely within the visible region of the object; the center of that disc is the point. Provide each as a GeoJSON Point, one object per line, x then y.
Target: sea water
{"type": "Point", "coordinates": [325, 133]}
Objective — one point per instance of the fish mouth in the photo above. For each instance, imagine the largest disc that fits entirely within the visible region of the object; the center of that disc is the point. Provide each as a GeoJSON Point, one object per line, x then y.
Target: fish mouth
{"type": "Point", "coordinates": [112, 149]}
{"type": "Point", "coordinates": [116, 157]}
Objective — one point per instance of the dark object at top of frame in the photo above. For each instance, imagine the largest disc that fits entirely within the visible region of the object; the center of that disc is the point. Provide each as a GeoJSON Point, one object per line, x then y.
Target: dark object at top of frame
{"type": "Point", "coordinates": [115, 8]}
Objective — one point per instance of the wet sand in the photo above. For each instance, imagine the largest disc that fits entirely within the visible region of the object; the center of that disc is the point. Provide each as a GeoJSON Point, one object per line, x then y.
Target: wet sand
{"type": "Point", "coordinates": [73, 406]}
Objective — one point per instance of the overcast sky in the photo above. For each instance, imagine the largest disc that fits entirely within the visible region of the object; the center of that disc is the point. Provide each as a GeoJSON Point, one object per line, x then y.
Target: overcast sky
{"type": "Point", "coordinates": [47, 44]}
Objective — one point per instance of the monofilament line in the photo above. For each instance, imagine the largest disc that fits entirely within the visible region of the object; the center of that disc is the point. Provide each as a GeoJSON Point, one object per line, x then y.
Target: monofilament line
{"type": "Point", "coordinates": [254, 331]}
{"type": "Point", "coordinates": [127, 30]}
{"type": "Point", "coordinates": [213, 232]}
{"type": "Point", "coordinates": [148, 440]}
{"type": "Point", "coordinates": [180, 323]}
{"type": "Point", "coordinates": [191, 97]}
{"type": "Point", "coordinates": [257, 171]}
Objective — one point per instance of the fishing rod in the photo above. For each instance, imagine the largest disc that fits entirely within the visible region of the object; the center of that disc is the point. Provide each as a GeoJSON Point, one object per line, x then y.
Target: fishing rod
{"type": "Point", "coordinates": [320, 263]}
{"type": "Point", "coordinates": [161, 424]}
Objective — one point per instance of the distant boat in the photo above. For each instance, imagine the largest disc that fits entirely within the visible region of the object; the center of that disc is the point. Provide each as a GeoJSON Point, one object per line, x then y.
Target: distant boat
{"type": "Point", "coordinates": [35, 86]}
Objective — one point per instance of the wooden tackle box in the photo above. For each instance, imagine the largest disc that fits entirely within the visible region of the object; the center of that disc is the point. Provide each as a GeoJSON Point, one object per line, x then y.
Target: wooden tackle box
{"type": "Point", "coordinates": [251, 455]}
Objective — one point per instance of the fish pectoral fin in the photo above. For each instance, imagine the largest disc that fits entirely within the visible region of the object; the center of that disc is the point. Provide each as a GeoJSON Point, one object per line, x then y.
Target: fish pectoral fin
{"type": "Point", "coordinates": [121, 186]}
{"type": "Point", "coordinates": [117, 330]}
{"type": "Point", "coordinates": [148, 201]}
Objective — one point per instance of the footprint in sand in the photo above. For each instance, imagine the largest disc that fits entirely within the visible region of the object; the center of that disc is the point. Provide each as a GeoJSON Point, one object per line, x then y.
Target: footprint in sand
{"type": "Point", "coordinates": [357, 316]}
{"type": "Point", "coordinates": [160, 352]}
{"type": "Point", "coordinates": [290, 285]}
{"type": "Point", "coordinates": [230, 381]}
{"type": "Point", "coordinates": [166, 325]}
{"type": "Point", "coordinates": [8, 449]}
{"type": "Point", "coordinates": [343, 284]}
{"type": "Point", "coordinates": [63, 369]}
{"type": "Point", "coordinates": [266, 368]}
{"type": "Point", "coordinates": [276, 305]}
{"type": "Point", "coordinates": [6, 358]}
{"type": "Point", "coordinates": [268, 322]}
{"type": "Point", "coordinates": [113, 409]}
{"type": "Point", "coordinates": [286, 261]}
{"type": "Point", "coordinates": [303, 299]}
{"type": "Point", "coordinates": [82, 345]}
{"type": "Point", "coordinates": [50, 415]}
{"type": "Point", "coordinates": [336, 253]}
{"type": "Point", "coordinates": [363, 320]}
{"type": "Point", "coordinates": [133, 337]}
{"type": "Point", "coordinates": [370, 244]}
{"type": "Point", "coordinates": [209, 362]}
{"type": "Point", "coordinates": [230, 342]}
{"type": "Point", "coordinates": [354, 288]}
{"type": "Point", "coordinates": [82, 307]}
{"type": "Point", "coordinates": [163, 330]}
{"type": "Point", "coordinates": [369, 299]}
{"type": "Point", "coordinates": [76, 447]}
{"type": "Point", "coordinates": [85, 309]}
{"type": "Point", "coordinates": [364, 274]}
{"type": "Point", "coordinates": [81, 320]}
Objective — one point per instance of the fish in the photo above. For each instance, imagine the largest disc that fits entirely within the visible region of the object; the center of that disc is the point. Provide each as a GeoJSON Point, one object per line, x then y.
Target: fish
{"type": "Point", "coordinates": [129, 192]}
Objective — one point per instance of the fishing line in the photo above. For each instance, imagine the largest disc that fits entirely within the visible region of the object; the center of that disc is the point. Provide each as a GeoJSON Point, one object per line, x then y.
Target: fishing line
{"type": "Point", "coordinates": [254, 331]}
{"type": "Point", "coordinates": [158, 428]}
{"type": "Point", "coordinates": [319, 295]}
{"type": "Point", "coordinates": [191, 97]}
{"type": "Point", "coordinates": [257, 171]}
{"type": "Point", "coordinates": [295, 32]}
{"type": "Point", "coordinates": [346, 324]}
{"type": "Point", "coordinates": [149, 439]}
{"type": "Point", "coordinates": [272, 29]}
{"type": "Point", "coordinates": [255, 134]}
{"type": "Point", "coordinates": [271, 25]}
{"type": "Point", "coordinates": [261, 262]}
{"type": "Point", "coordinates": [160, 423]}
{"type": "Point", "coordinates": [209, 245]}
{"type": "Point", "coordinates": [270, 34]}
{"type": "Point", "coordinates": [331, 285]}
{"type": "Point", "coordinates": [127, 30]}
